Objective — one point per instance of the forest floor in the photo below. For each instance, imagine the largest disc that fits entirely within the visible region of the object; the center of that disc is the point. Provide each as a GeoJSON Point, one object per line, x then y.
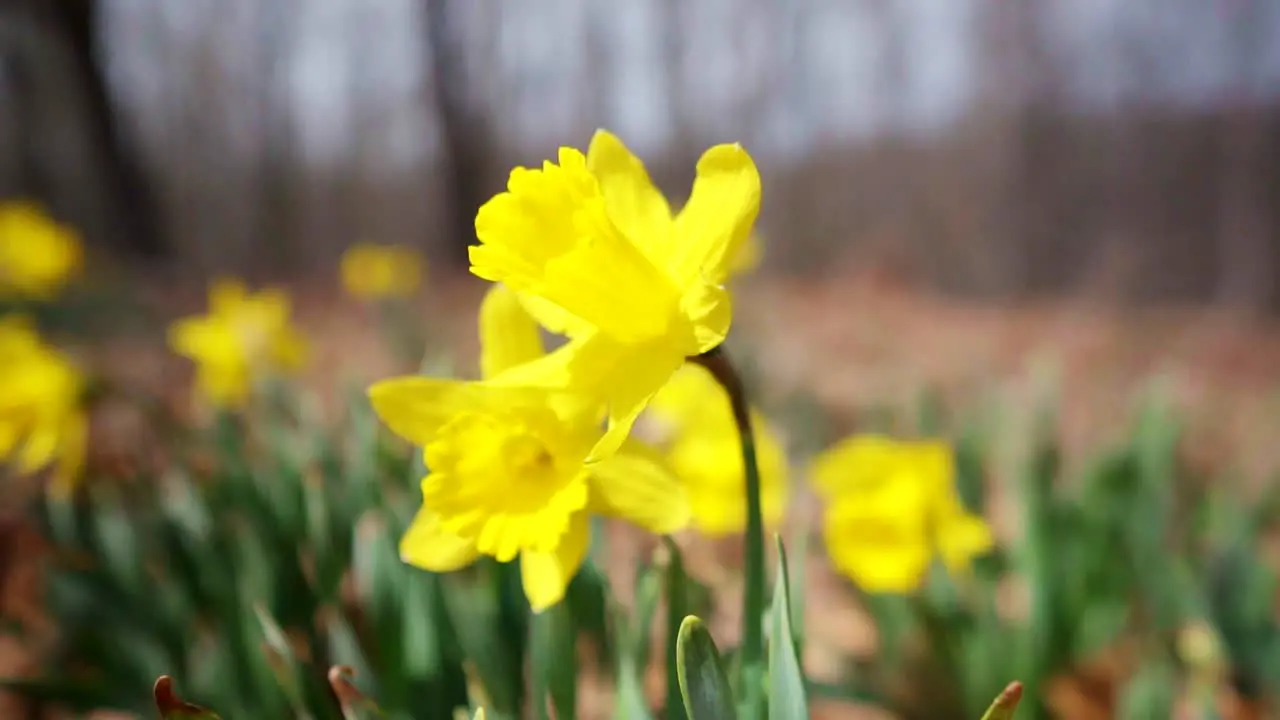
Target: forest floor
{"type": "Point", "coordinates": [854, 344]}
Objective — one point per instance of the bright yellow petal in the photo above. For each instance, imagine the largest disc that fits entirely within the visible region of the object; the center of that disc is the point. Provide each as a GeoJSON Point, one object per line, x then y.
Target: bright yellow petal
{"type": "Point", "coordinates": [634, 204]}
{"type": "Point", "coordinates": [428, 546]}
{"type": "Point", "coordinates": [39, 449]}
{"type": "Point", "coordinates": [747, 258]}
{"type": "Point", "coordinates": [635, 377]}
{"type": "Point", "coordinates": [508, 334]}
{"type": "Point", "coordinates": [718, 217]}
{"type": "Point", "coordinates": [635, 484]}
{"type": "Point", "coordinates": [880, 553]}
{"type": "Point", "coordinates": [416, 407]}
{"type": "Point", "coordinates": [225, 385]}
{"type": "Point", "coordinates": [962, 539]}
{"type": "Point", "coordinates": [549, 235]}
{"type": "Point", "coordinates": [201, 338]}
{"type": "Point", "coordinates": [710, 308]}
{"type": "Point", "coordinates": [226, 295]}
{"type": "Point", "coordinates": [555, 318]}
{"type": "Point", "coordinates": [546, 575]}
{"type": "Point", "coordinates": [855, 463]}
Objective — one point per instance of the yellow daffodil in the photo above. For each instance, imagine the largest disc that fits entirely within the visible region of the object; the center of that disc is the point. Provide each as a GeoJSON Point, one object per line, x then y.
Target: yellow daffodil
{"type": "Point", "coordinates": [891, 509]}
{"type": "Point", "coordinates": [596, 254]}
{"type": "Point", "coordinates": [37, 255]}
{"type": "Point", "coordinates": [241, 338]}
{"type": "Point", "coordinates": [507, 475]}
{"type": "Point", "coordinates": [42, 421]}
{"type": "Point", "coordinates": [699, 439]}
{"type": "Point", "coordinates": [372, 272]}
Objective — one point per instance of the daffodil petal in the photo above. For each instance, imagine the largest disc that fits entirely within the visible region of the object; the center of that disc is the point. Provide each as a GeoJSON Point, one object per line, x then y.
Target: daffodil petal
{"type": "Point", "coordinates": [555, 318]}
{"type": "Point", "coordinates": [546, 575]}
{"type": "Point", "coordinates": [427, 545]}
{"type": "Point", "coordinates": [416, 407]}
{"type": "Point", "coordinates": [718, 218]}
{"type": "Point", "coordinates": [508, 334]}
{"type": "Point", "coordinates": [225, 295]}
{"type": "Point", "coordinates": [635, 484]}
{"type": "Point", "coordinates": [635, 378]}
{"type": "Point", "coordinates": [962, 539]}
{"type": "Point", "coordinates": [896, 561]}
{"type": "Point", "coordinates": [710, 307]}
{"type": "Point", "coordinates": [855, 463]}
{"type": "Point", "coordinates": [634, 204]}
{"type": "Point", "coordinates": [39, 449]}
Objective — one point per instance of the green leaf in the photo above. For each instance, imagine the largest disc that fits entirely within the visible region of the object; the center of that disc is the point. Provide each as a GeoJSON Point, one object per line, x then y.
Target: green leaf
{"type": "Point", "coordinates": [172, 707]}
{"type": "Point", "coordinates": [786, 678]}
{"type": "Point", "coordinates": [677, 597]}
{"type": "Point", "coordinates": [283, 662]}
{"type": "Point", "coordinates": [555, 662]}
{"type": "Point", "coordinates": [1153, 692]}
{"type": "Point", "coordinates": [629, 698]}
{"type": "Point", "coordinates": [1006, 704]}
{"type": "Point", "coordinates": [355, 706]}
{"type": "Point", "coordinates": [703, 683]}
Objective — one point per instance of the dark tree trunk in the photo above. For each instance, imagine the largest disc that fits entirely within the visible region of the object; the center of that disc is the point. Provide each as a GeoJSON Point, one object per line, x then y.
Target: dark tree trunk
{"type": "Point", "coordinates": [53, 54]}
{"type": "Point", "coordinates": [464, 131]}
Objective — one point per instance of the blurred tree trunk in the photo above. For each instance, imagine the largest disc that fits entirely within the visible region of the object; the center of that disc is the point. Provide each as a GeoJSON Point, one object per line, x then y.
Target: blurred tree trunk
{"type": "Point", "coordinates": [465, 134]}
{"type": "Point", "coordinates": [55, 57]}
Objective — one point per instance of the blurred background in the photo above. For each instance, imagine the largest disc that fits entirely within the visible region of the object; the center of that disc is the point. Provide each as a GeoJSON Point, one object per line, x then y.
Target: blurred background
{"type": "Point", "coordinates": [1124, 149]}
{"type": "Point", "coordinates": [981, 203]}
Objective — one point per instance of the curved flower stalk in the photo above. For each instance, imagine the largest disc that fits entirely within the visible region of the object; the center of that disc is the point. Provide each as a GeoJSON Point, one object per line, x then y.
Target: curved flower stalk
{"type": "Point", "coordinates": [37, 254]}
{"type": "Point", "coordinates": [42, 420]}
{"type": "Point", "coordinates": [596, 254]}
{"type": "Point", "coordinates": [891, 508]}
{"type": "Point", "coordinates": [376, 272]}
{"type": "Point", "coordinates": [507, 471]}
{"type": "Point", "coordinates": [243, 337]}
{"type": "Point", "coordinates": [697, 434]}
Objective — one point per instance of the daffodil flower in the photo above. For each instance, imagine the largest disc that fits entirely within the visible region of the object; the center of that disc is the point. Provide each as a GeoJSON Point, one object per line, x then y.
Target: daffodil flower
{"type": "Point", "coordinates": [372, 272]}
{"type": "Point", "coordinates": [507, 476]}
{"type": "Point", "coordinates": [242, 337]}
{"type": "Point", "coordinates": [37, 254]}
{"type": "Point", "coordinates": [695, 431]}
{"type": "Point", "coordinates": [891, 508]}
{"type": "Point", "coordinates": [42, 421]}
{"type": "Point", "coordinates": [596, 254]}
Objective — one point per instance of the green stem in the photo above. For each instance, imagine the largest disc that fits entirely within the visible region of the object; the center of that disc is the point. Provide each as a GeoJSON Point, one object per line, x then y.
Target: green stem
{"type": "Point", "coordinates": [753, 600]}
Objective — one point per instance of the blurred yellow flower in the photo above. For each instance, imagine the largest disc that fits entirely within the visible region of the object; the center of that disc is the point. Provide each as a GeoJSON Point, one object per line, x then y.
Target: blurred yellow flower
{"type": "Point", "coordinates": [42, 420]}
{"type": "Point", "coordinates": [699, 439]}
{"type": "Point", "coordinates": [242, 337]}
{"type": "Point", "coordinates": [891, 508]}
{"type": "Point", "coordinates": [372, 272]}
{"type": "Point", "coordinates": [37, 255]}
{"type": "Point", "coordinates": [507, 475]}
{"type": "Point", "coordinates": [596, 254]}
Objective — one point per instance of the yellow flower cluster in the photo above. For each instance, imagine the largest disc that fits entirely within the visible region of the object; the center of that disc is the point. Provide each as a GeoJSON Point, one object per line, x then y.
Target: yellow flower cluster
{"type": "Point", "coordinates": [519, 460]}
{"type": "Point", "coordinates": [375, 272]}
{"type": "Point", "coordinates": [241, 338]}
{"type": "Point", "coordinates": [37, 254]}
{"type": "Point", "coordinates": [42, 421]}
{"type": "Point", "coordinates": [891, 507]}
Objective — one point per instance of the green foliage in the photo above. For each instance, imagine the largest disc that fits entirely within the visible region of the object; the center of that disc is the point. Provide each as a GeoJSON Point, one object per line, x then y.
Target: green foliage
{"type": "Point", "coordinates": [263, 555]}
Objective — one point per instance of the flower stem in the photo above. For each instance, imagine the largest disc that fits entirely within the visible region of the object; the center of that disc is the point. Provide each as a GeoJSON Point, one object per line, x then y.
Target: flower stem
{"type": "Point", "coordinates": [752, 656]}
